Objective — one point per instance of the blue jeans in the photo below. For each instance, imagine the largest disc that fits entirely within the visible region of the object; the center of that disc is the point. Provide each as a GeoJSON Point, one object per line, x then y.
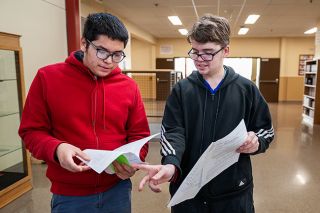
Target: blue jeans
{"type": "Point", "coordinates": [115, 200]}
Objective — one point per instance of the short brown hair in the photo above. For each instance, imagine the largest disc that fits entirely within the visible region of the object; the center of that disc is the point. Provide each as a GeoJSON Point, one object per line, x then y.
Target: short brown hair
{"type": "Point", "coordinates": [210, 28]}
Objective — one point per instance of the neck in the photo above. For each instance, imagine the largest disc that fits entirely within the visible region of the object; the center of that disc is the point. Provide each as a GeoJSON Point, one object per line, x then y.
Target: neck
{"type": "Point", "coordinates": [214, 78]}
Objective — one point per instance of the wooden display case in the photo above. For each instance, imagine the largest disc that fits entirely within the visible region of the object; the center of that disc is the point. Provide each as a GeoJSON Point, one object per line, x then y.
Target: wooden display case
{"type": "Point", "coordinates": [311, 97]}
{"type": "Point", "coordinates": [15, 167]}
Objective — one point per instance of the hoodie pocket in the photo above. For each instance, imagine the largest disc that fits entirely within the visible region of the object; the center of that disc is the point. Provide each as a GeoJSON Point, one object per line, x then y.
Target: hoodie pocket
{"type": "Point", "coordinates": [235, 179]}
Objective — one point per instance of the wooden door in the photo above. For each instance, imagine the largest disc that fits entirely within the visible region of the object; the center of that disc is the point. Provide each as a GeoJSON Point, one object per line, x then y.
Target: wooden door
{"type": "Point", "coordinates": [269, 78]}
{"type": "Point", "coordinates": [163, 85]}
{"type": "Point", "coordinates": [165, 63]}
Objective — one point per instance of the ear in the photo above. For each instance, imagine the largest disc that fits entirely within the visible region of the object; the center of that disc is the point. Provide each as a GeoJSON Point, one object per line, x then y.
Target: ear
{"type": "Point", "coordinates": [226, 51]}
{"type": "Point", "coordinates": [83, 44]}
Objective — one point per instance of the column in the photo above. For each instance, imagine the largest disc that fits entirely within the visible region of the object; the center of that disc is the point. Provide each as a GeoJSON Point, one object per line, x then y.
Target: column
{"type": "Point", "coordinates": [73, 25]}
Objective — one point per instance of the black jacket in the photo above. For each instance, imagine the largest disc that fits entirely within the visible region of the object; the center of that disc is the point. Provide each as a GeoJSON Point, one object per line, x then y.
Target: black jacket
{"type": "Point", "coordinates": [194, 118]}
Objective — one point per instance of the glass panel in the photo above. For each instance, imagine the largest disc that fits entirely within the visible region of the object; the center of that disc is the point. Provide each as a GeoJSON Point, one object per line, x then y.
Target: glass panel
{"type": "Point", "coordinates": [180, 65]}
{"type": "Point", "coordinates": [189, 66]}
{"type": "Point", "coordinates": [242, 66]}
{"type": "Point", "coordinates": [7, 65]}
{"type": "Point", "coordinates": [12, 154]}
{"type": "Point", "coordinates": [9, 102]}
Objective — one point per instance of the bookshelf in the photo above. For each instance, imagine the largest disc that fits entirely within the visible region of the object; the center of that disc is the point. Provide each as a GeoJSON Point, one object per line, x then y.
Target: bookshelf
{"type": "Point", "coordinates": [311, 97]}
{"type": "Point", "coordinates": [302, 63]}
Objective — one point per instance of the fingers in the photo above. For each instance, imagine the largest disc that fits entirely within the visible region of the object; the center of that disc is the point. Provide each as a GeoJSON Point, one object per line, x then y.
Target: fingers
{"type": "Point", "coordinates": [143, 167]}
{"type": "Point", "coordinates": [70, 165]}
{"type": "Point", "coordinates": [82, 155]}
{"type": "Point", "coordinates": [154, 187]}
{"type": "Point", "coordinates": [66, 153]}
{"type": "Point", "coordinates": [143, 182]}
{"type": "Point", "coordinates": [250, 145]}
{"type": "Point", "coordinates": [160, 177]}
{"type": "Point", "coordinates": [82, 168]}
{"type": "Point", "coordinates": [123, 171]}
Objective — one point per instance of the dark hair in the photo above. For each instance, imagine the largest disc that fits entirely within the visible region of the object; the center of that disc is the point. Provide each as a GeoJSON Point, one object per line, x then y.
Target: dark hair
{"type": "Point", "coordinates": [105, 24]}
{"type": "Point", "coordinates": [210, 28]}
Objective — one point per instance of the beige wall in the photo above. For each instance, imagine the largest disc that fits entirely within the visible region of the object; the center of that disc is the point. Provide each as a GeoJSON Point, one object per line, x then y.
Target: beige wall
{"type": "Point", "coordinates": [291, 48]}
{"type": "Point", "coordinates": [142, 55]}
{"type": "Point", "coordinates": [255, 47]}
{"type": "Point", "coordinates": [291, 84]}
{"type": "Point", "coordinates": [89, 6]}
{"type": "Point", "coordinates": [180, 47]}
{"type": "Point", "coordinates": [42, 26]}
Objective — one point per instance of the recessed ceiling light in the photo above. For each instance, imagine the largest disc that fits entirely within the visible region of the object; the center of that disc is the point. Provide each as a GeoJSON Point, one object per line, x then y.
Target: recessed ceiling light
{"type": "Point", "coordinates": [243, 31]}
{"type": "Point", "coordinates": [183, 31]}
{"type": "Point", "coordinates": [175, 20]}
{"type": "Point", "coordinates": [252, 19]}
{"type": "Point", "coordinates": [310, 31]}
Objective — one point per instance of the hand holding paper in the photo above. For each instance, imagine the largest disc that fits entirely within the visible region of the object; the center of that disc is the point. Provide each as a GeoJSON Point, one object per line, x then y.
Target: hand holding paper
{"type": "Point", "coordinates": [221, 154]}
{"type": "Point", "coordinates": [127, 154]}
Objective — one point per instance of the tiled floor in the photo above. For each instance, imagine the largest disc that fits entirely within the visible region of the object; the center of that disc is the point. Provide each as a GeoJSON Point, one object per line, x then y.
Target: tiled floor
{"type": "Point", "coordinates": [286, 178]}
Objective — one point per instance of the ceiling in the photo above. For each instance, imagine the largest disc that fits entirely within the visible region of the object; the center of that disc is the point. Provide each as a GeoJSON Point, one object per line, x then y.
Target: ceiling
{"type": "Point", "coordinates": [279, 18]}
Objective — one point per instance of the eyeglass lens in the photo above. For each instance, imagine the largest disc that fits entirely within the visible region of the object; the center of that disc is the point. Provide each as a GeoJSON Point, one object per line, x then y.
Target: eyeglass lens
{"type": "Point", "coordinates": [203, 56]}
{"type": "Point", "coordinates": [103, 54]}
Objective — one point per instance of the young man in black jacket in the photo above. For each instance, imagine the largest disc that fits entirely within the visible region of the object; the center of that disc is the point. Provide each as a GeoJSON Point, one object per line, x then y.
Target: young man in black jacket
{"type": "Point", "coordinates": [203, 108]}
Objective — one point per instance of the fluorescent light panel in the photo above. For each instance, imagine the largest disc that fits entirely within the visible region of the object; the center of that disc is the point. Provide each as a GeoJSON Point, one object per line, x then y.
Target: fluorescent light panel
{"type": "Point", "coordinates": [175, 20]}
{"type": "Point", "coordinates": [252, 19]}
{"type": "Point", "coordinates": [310, 31]}
{"type": "Point", "coordinates": [183, 31]}
{"type": "Point", "coordinates": [243, 31]}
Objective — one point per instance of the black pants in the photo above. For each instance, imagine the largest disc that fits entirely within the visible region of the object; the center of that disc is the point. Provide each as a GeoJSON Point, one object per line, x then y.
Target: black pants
{"type": "Point", "coordinates": [241, 203]}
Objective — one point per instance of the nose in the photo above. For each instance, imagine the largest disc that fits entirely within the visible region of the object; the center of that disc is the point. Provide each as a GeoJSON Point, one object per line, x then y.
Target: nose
{"type": "Point", "coordinates": [108, 60]}
{"type": "Point", "coordinates": [199, 58]}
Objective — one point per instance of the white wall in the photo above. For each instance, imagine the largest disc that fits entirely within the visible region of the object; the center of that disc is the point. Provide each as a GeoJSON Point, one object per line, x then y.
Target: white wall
{"type": "Point", "coordinates": [42, 26]}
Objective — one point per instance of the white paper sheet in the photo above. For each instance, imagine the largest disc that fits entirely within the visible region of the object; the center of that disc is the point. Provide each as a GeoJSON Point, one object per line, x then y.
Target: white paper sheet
{"type": "Point", "coordinates": [220, 155]}
{"type": "Point", "coordinates": [102, 159]}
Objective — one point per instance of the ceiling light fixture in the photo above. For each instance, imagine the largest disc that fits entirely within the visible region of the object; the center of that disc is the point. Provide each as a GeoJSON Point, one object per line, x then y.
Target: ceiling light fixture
{"type": "Point", "coordinates": [252, 19]}
{"type": "Point", "coordinates": [183, 31]}
{"type": "Point", "coordinates": [175, 20]}
{"type": "Point", "coordinates": [311, 31]}
{"type": "Point", "coordinates": [243, 31]}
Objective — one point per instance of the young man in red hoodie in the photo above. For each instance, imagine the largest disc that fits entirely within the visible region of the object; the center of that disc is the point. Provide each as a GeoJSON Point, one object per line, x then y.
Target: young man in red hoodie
{"type": "Point", "coordinates": [86, 103]}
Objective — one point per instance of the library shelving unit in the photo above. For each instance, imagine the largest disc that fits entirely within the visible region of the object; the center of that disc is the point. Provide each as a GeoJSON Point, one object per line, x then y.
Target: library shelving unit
{"type": "Point", "coordinates": [311, 97]}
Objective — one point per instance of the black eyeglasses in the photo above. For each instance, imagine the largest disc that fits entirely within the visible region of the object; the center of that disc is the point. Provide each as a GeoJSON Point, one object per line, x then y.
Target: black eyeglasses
{"type": "Point", "coordinates": [103, 54]}
{"type": "Point", "coordinates": [203, 56]}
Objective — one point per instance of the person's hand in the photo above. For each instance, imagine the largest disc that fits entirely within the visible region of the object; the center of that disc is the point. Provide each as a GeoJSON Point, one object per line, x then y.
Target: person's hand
{"type": "Point", "coordinates": [250, 145]}
{"type": "Point", "coordinates": [123, 171]}
{"type": "Point", "coordinates": [157, 174]}
{"type": "Point", "coordinates": [66, 152]}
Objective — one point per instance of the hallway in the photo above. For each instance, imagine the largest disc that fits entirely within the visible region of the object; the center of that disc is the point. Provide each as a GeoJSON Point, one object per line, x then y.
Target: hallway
{"type": "Point", "coordinates": [286, 177]}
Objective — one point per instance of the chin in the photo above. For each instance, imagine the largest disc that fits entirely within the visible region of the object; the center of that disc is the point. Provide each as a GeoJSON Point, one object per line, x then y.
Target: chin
{"type": "Point", "coordinates": [103, 74]}
{"type": "Point", "coordinates": [201, 71]}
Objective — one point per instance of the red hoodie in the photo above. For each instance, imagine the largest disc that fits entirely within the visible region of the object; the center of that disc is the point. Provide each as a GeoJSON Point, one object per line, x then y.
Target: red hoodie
{"type": "Point", "coordinates": [66, 103]}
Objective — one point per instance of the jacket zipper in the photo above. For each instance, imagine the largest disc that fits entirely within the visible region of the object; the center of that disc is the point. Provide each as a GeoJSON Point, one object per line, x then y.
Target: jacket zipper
{"type": "Point", "coordinates": [94, 122]}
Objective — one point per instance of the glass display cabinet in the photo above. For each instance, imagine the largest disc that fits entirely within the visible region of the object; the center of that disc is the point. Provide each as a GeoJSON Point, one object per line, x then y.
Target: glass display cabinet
{"type": "Point", "coordinates": [15, 168]}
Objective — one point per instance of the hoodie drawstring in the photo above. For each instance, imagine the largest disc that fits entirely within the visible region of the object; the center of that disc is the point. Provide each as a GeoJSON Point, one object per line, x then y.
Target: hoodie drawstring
{"type": "Point", "coordinates": [103, 105]}
{"type": "Point", "coordinates": [216, 117]}
{"type": "Point", "coordinates": [94, 104]}
{"type": "Point", "coordinates": [203, 119]}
